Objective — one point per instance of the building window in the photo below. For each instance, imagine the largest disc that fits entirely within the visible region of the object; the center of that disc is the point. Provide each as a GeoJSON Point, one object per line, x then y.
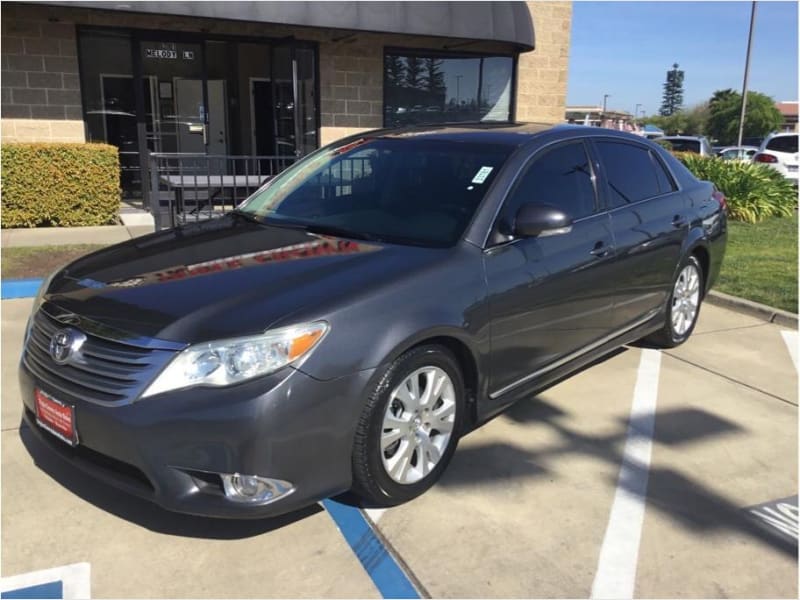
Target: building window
{"type": "Point", "coordinates": [433, 87]}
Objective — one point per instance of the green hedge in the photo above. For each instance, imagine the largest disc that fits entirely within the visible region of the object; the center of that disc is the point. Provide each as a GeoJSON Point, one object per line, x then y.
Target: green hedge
{"type": "Point", "coordinates": [753, 191]}
{"type": "Point", "coordinates": [59, 184]}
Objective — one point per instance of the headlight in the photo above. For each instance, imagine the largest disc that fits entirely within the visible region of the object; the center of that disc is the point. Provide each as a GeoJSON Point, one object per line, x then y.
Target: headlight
{"type": "Point", "coordinates": [226, 362]}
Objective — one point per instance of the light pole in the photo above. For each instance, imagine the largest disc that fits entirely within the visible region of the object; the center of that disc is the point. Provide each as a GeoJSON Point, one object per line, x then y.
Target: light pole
{"type": "Point", "coordinates": [746, 73]}
{"type": "Point", "coordinates": [458, 90]}
{"type": "Point", "coordinates": [603, 116]}
{"type": "Point", "coordinates": [636, 111]}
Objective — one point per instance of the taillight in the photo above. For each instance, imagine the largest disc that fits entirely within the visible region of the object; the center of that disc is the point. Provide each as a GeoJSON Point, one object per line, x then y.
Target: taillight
{"type": "Point", "coordinates": [765, 158]}
{"type": "Point", "coordinates": [720, 197]}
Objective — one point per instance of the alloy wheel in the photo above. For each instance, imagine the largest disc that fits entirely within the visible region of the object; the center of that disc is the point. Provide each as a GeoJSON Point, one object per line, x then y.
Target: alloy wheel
{"type": "Point", "coordinates": [418, 424]}
{"type": "Point", "coordinates": [685, 300]}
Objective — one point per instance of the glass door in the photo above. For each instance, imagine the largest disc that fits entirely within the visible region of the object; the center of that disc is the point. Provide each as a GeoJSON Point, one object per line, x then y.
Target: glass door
{"type": "Point", "coordinates": [178, 121]}
{"type": "Point", "coordinates": [294, 100]}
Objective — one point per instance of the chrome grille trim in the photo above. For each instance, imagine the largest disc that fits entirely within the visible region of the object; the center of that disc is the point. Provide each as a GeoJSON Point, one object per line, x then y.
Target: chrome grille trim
{"type": "Point", "coordinates": [105, 372]}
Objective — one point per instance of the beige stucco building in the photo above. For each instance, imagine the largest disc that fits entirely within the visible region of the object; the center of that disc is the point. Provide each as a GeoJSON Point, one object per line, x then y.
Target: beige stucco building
{"type": "Point", "coordinates": [272, 78]}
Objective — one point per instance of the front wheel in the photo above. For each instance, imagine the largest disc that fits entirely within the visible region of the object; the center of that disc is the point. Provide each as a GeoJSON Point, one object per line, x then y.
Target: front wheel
{"type": "Point", "coordinates": [683, 306]}
{"type": "Point", "coordinates": [409, 428]}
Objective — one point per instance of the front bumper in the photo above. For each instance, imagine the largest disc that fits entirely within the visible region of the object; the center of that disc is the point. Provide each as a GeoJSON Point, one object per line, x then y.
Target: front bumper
{"type": "Point", "coordinates": [166, 449]}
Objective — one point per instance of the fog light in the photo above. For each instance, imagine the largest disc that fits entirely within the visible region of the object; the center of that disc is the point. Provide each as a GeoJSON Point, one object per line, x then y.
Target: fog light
{"type": "Point", "coordinates": [252, 488]}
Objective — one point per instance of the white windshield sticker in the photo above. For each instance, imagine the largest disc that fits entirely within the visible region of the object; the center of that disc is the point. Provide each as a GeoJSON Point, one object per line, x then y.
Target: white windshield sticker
{"type": "Point", "coordinates": [482, 174]}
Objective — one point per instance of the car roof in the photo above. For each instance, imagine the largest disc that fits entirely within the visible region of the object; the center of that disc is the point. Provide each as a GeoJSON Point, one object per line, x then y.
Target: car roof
{"type": "Point", "coordinates": [683, 137]}
{"type": "Point", "coordinates": [511, 134]}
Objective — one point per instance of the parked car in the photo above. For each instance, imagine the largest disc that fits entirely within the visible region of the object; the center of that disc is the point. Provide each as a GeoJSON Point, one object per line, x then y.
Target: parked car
{"type": "Point", "coordinates": [740, 153]}
{"type": "Point", "coordinates": [779, 151]}
{"type": "Point", "coordinates": [350, 320]}
{"type": "Point", "coordinates": [687, 143]}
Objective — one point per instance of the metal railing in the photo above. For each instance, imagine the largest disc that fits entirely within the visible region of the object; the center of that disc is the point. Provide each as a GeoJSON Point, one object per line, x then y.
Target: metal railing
{"type": "Point", "coordinates": [191, 187]}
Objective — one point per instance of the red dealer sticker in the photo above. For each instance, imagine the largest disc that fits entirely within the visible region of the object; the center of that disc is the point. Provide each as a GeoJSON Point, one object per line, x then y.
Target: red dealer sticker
{"type": "Point", "coordinates": [56, 417]}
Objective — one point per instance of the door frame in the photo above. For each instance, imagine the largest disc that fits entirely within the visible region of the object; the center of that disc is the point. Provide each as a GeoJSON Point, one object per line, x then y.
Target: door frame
{"type": "Point", "coordinates": [138, 35]}
{"type": "Point", "coordinates": [251, 90]}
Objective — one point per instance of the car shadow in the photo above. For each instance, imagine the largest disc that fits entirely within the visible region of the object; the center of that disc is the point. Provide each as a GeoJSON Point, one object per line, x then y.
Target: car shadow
{"type": "Point", "coordinates": [147, 514]}
{"type": "Point", "coordinates": [683, 500]}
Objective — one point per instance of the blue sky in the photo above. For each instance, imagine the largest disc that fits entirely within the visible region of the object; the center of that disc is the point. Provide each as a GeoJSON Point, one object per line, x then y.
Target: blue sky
{"type": "Point", "coordinates": [625, 48]}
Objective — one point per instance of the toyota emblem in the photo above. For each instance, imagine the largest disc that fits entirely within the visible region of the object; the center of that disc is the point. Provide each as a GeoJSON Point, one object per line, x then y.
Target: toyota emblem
{"type": "Point", "coordinates": [64, 343]}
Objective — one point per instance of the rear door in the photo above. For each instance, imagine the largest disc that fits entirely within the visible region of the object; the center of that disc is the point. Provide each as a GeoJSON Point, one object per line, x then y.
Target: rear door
{"type": "Point", "coordinates": [649, 218]}
{"type": "Point", "coordinates": [550, 296]}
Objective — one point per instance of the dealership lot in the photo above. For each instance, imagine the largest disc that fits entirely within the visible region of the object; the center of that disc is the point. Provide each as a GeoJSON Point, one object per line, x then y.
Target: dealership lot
{"type": "Point", "coordinates": [523, 511]}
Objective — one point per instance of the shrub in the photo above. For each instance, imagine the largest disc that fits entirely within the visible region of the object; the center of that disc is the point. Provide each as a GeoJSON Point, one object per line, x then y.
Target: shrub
{"type": "Point", "coordinates": [753, 191]}
{"type": "Point", "coordinates": [59, 184]}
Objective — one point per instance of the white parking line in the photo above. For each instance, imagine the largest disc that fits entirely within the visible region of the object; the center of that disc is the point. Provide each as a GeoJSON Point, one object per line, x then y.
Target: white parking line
{"type": "Point", "coordinates": [375, 514]}
{"type": "Point", "coordinates": [619, 554]}
{"type": "Point", "coordinates": [790, 338]}
{"type": "Point", "coordinates": [76, 580]}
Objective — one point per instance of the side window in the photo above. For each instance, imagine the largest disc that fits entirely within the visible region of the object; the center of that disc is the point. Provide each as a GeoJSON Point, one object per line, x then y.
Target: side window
{"type": "Point", "coordinates": [630, 173]}
{"type": "Point", "coordinates": [560, 177]}
{"type": "Point", "coordinates": [665, 183]}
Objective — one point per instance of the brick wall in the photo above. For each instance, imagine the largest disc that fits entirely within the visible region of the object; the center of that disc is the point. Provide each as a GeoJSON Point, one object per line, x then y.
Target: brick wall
{"type": "Point", "coordinates": [542, 74]}
{"type": "Point", "coordinates": [41, 99]}
{"type": "Point", "coordinates": [40, 89]}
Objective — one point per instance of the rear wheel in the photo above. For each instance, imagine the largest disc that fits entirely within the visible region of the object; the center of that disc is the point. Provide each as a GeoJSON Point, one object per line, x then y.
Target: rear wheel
{"type": "Point", "coordinates": [683, 306]}
{"type": "Point", "coordinates": [409, 428]}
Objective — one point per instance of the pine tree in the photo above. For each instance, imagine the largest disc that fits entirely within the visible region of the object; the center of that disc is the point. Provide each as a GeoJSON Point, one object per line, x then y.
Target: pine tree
{"type": "Point", "coordinates": [434, 80]}
{"type": "Point", "coordinates": [394, 68]}
{"type": "Point", "coordinates": [673, 92]}
{"type": "Point", "coordinates": [413, 72]}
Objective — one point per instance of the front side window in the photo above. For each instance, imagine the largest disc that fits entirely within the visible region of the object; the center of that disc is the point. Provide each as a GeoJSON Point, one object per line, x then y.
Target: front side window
{"type": "Point", "coordinates": [397, 190]}
{"type": "Point", "coordinates": [630, 173]}
{"type": "Point", "coordinates": [561, 177]}
{"type": "Point", "coordinates": [439, 88]}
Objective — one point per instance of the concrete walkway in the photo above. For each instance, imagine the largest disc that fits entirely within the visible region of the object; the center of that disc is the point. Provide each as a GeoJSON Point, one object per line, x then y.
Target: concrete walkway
{"type": "Point", "coordinates": [57, 236]}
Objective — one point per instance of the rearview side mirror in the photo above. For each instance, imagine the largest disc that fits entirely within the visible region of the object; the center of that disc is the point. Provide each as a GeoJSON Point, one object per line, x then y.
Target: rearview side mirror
{"type": "Point", "coordinates": [540, 220]}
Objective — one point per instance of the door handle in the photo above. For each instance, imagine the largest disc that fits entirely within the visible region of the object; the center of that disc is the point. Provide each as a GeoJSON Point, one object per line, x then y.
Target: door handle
{"type": "Point", "coordinates": [600, 250]}
{"type": "Point", "coordinates": [679, 222]}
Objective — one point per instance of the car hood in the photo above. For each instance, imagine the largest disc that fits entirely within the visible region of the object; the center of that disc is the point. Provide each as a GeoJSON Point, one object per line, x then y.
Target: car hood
{"type": "Point", "coordinates": [223, 278]}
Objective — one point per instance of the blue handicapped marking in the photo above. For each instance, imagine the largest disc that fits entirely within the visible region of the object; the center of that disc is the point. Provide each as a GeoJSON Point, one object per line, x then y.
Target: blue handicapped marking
{"type": "Point", "coordinates": [19, 288]}
{"type": "Point", "coordinates": [53, 589]}
{"type": "Point", "coordinates": [382, 568]}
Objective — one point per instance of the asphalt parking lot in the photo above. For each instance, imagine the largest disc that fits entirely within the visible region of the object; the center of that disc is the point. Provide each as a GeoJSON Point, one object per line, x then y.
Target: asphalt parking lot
{"type": "Point", "coordinates": [637, 474]}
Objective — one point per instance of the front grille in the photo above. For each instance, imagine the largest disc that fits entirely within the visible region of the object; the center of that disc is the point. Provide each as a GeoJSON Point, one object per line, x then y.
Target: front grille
{"type": "Point", "coordinates": [104, 371]}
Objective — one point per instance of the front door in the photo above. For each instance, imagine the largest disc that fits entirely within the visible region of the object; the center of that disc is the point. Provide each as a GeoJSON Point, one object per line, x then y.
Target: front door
{"type": "Point", "coordinates": [179, 123]}
{"type": "Point", "coordinates": [550, 297]}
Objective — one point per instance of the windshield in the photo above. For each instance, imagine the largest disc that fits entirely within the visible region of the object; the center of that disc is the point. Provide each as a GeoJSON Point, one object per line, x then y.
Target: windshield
{"type": "Point", "coordinates": [398, 190]}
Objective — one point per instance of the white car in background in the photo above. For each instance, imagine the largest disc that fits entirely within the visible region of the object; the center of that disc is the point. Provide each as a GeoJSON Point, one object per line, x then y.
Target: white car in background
{"type": "Point", "coordinates": [779, 151]}
{"type": "Point", "coordinates": [740, 153]}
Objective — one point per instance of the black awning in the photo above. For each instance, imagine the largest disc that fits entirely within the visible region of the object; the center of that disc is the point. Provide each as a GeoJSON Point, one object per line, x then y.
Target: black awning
{"type": "Point", "coordinates": [508, 22]}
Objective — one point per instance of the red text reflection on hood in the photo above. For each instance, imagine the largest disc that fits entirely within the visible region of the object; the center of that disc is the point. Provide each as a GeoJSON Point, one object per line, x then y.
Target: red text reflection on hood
{"type": "Point", "coordinates": [314, 249]}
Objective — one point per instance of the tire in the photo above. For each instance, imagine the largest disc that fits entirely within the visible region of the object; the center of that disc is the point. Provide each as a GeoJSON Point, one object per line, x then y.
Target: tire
{"type": "Point", "coordinates": [676, 331]}
{"type": "Point", "coordinates": [399, 452]}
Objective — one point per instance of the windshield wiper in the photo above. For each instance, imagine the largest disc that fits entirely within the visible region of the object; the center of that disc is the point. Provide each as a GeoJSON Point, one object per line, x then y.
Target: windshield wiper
{"type": "Point", "coordinates": [324, 229]}
{"type": "Point", "coordinates": [247, 216]}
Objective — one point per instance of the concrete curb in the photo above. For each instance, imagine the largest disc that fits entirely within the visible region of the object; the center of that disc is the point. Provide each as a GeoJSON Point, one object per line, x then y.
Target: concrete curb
{"type": "Point", "coordinates": [754, 309]}
{"type": "Point", "coordinates": [58, 236]}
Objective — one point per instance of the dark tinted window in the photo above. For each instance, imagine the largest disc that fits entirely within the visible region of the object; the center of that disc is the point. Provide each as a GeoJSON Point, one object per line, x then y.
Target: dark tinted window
{"type": "Point", "coordinates": [561, 177]}
{"type": "Point", "coordinates": [683, 145]}
{"type": "Point", "coordinates": [630, 172]}
{"type": "Point", "coordinates": [784, 143]}
{"type": "Point", "coordinates": [442, 88]}
{"type": "Point", "coordinates": [404, 190]}
{"type": "Point", "coordinates": [665, 184]}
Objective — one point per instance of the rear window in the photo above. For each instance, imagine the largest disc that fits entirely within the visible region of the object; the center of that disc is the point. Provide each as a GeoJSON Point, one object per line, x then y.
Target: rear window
{"type": "Point", "coordinates": [684, 145]}
{"type": "Point", "coordinates": [631, 173]}
{"type": "Point", "coordinates": [784, 143]}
